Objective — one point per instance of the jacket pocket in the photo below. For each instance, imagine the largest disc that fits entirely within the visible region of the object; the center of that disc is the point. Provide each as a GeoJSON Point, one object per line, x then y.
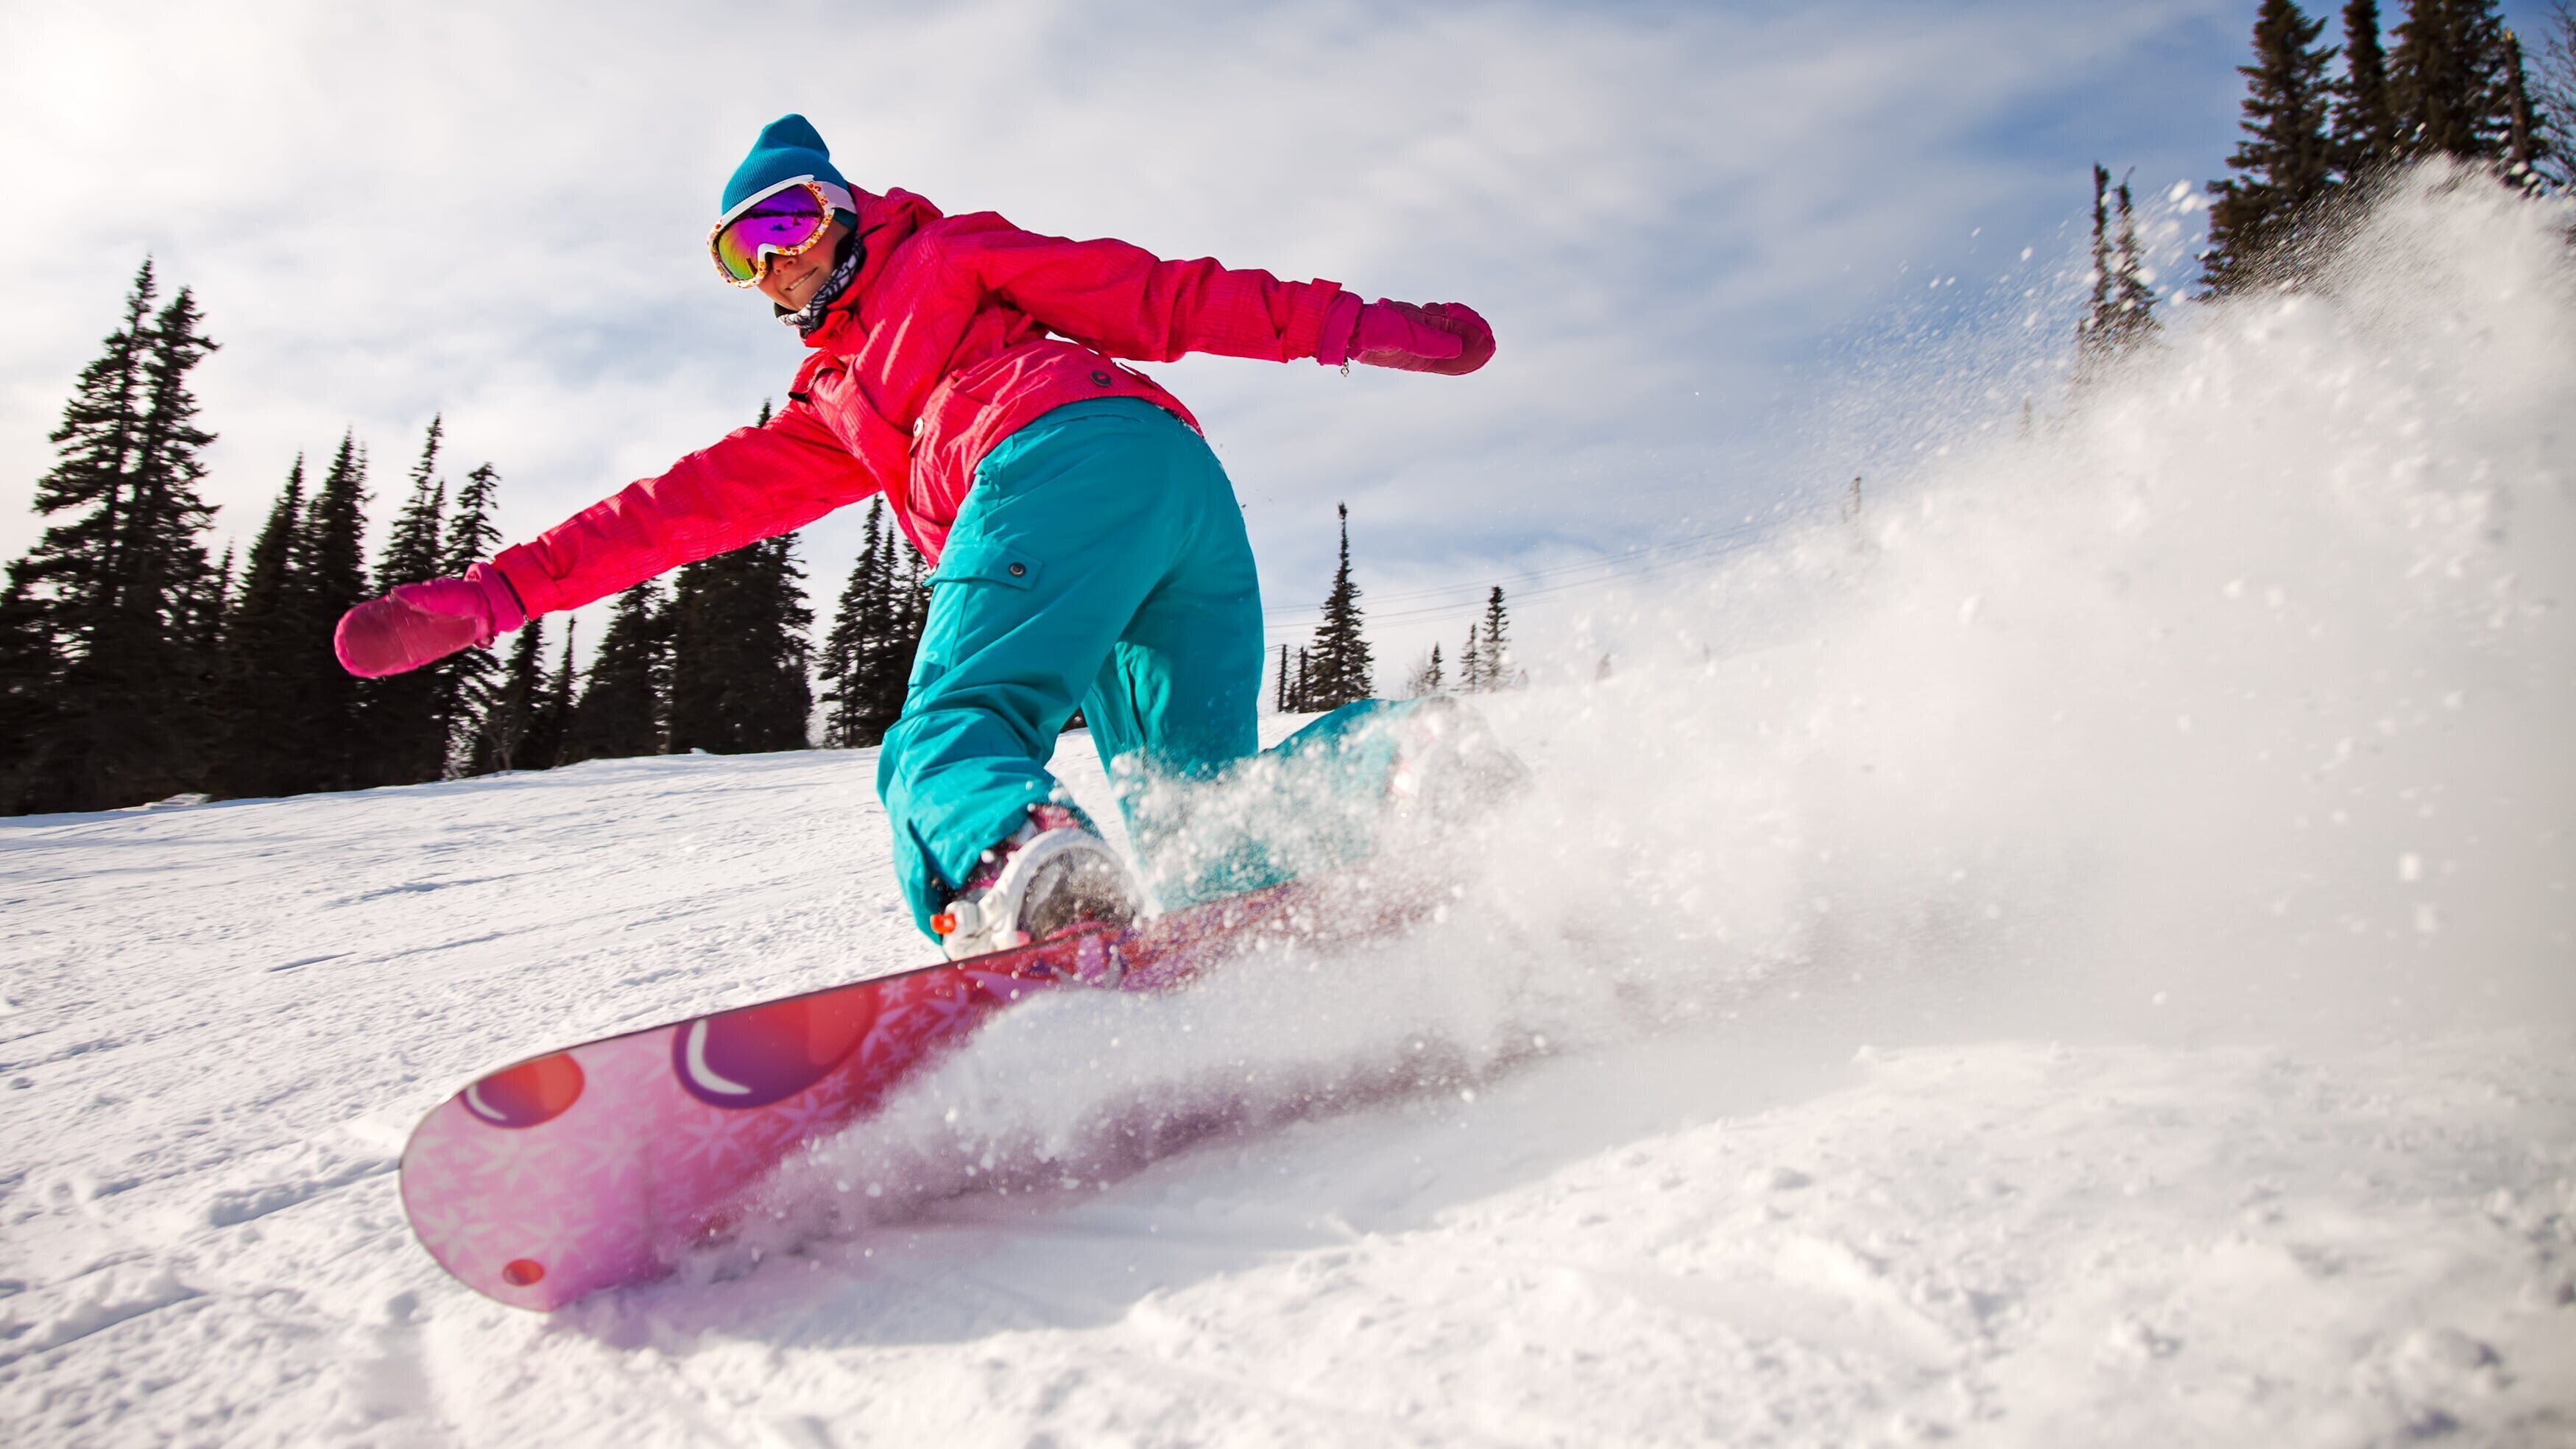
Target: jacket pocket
{"type": "Point", "coordinates": [983, 561]}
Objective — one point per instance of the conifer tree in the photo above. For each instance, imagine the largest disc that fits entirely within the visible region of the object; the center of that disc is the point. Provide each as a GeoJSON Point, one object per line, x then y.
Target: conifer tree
{"type": "Point", "coordinates": [2448, 80]}
{"type": "Point", "coordinates": [1300, 698]}
{"type": "Point", "coordinates": [876, 634]}
{"type": "Point", "coordinates": [500, 743]}
{"type": "Point", "coordinates": [29, 668]}
{"type": "Point", "coordinates": [467, 678]}
{"type": "Point", "coordinates": [1342, 670]}
{"type": "Point", "coordinates": [109, 604]}
{"type": "Point", "coordinates": [2133, 301]}
{"type": "Point", "coordinates": [550, 714]}
{"type": "Point", "coordinates": [621, 707]}
{"type": "Point", "coordinates": [1425, 679]}
{"type": "Point", "coordinates": [327, 563]}
{"type": "Point", "coordinates": [263, 661]}
{"type": "Point", "coordinates": [1471, 667]}
{"type": "Point", "coordinates": [2363, 135]}
{"type": "Point", "coordinates": [406, 721]}
{"type": "Point", "coordinates": [2553, 97]}
{"type": "Point", "coordinates": [1281, 703]}
{"type": "Point", "coordinates": [2284, 166]}
{"type": "Point", "coordinates": [1493, 644]}
{"type": "Point", "coordinates": [738, 652]}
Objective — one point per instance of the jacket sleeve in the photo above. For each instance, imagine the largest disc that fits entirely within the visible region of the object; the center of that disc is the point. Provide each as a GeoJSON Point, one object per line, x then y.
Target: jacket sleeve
{"type": "Point", "coordinates": [1129, 303]}
{"type": "Point", "coordinates": [753, 483]}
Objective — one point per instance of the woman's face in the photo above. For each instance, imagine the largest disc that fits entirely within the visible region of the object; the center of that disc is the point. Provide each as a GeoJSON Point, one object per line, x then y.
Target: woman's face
{"type": "Point", "coordinates": [790, 281]}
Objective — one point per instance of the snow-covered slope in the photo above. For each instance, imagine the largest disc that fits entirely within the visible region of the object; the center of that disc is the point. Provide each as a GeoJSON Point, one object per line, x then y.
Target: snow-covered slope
{"type": "Point", "coordinates": [2081, 955]}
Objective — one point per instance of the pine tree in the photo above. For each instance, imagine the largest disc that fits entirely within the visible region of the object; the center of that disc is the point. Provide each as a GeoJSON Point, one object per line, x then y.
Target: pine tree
{"type": "Point", "coordinates": [2363, 136]}
{"type": "Point", "coordinates": [620, 711]}
{"type": "Point", "coordinates": [550, 714]}
{"type": "Point", "coordinates": [1281, 703]}
{"type": "Point", "coordinates": [1426, 676]}
{"type": "Point", "coordinates": [738, 652]}
{"type": "Point", "coordinates": [2553, 98]}
{"type": "Point", "coordinates": [2264, 215]}
{"type": "Point", "coordinates": [468, 677]}
{"type": "Point", "coordinates": [1471, 668]}
{"type": "Point", "coordinates": [1342, 668]}
{"type": "Point", "coordinates": [500, 742]}
{"type": "Point", "coordinates": [1493, 645]}
{"type": "Point", "coordinates": [262, 661]}
{"type": "Point", "coordinates": [327, 563]}
{"type": "Point", "coordinates": [29, 668]}
{"type": "Point", "coordinates": [407, 723]}
{"type": "Point", "coordinates": [2526, 139]}
{"type": "Point", "coordinates": [2133, 301]}
{"type": "Point", "coordinates": [2449, 82]}
{"type": "Point", "coordinates": [876, 634]}
{"type": "Point", "coordinates": [109, 607]}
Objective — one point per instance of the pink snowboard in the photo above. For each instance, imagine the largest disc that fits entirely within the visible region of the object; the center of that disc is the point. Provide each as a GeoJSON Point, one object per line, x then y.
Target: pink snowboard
{"type": "Point", "coordinates": [601, 1165]}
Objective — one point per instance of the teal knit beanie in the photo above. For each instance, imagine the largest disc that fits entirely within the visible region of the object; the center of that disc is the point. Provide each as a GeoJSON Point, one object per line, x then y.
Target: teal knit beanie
{"type": "Point", "coordinates": [788, 147]}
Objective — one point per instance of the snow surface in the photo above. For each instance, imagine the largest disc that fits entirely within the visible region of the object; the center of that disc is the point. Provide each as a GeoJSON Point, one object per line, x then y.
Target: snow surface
{"type": "Point", "coordinates": [2080, 954]}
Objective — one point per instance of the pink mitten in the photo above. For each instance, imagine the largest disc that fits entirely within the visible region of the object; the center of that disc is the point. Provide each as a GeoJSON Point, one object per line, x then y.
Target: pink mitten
{"type": "Point", "coordinates": [417, 623]}
{"type": "Point", "coordinates": [1445, 337]}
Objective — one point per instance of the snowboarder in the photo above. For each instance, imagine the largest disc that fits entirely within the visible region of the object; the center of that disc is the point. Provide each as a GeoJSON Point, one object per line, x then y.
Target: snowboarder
{"type": "Point", "coordinates": [1088, 549]}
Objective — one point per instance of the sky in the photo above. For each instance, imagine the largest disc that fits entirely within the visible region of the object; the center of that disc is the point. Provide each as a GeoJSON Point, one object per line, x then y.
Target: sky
{"type": "Point", "coordinates": [1698, 231]}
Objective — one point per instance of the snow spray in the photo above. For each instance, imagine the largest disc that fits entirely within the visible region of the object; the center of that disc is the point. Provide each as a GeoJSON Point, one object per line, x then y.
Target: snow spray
{"type": "Point", "coordinates": [2230, 694]}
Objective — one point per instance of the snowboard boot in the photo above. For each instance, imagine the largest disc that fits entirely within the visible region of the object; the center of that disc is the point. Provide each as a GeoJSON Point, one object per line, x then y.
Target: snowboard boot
{"type": "Point", "coordinates": [1449, 769]}
{"type": "Point", "coordinates": [1052, 874]}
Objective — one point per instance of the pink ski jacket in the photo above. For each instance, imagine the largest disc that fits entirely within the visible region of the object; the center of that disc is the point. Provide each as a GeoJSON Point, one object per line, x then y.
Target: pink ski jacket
{"type": "Point", "coordinates": [957, 331]}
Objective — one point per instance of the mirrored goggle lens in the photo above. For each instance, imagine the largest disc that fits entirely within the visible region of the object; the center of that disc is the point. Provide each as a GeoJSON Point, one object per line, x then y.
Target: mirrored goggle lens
{"type": "Point", "coordinates": [780, 223]}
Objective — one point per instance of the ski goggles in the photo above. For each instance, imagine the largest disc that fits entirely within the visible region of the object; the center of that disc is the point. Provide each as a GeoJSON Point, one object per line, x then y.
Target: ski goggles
{"type": "Point", "coordinates": [784, 221]}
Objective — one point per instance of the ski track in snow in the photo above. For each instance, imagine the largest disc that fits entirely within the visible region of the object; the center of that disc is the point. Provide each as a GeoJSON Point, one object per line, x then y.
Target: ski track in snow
{"type": "Point", "coordinates": [2099, 972]}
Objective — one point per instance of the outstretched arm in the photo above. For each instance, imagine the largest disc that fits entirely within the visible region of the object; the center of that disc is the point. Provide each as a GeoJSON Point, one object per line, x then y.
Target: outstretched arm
{"type": "Point", "coordinates": [753, 483]}
{"type": "Point", "coordinates": [1127, 302]}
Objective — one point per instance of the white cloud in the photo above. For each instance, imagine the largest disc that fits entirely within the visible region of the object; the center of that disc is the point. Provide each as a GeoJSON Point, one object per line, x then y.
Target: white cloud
{"type": "Point", "coordinates": [497, 211]}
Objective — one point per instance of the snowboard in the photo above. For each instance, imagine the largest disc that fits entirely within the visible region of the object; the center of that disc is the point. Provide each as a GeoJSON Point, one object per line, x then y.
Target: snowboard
{"type": "Point", "coordinates": [603, 1164]}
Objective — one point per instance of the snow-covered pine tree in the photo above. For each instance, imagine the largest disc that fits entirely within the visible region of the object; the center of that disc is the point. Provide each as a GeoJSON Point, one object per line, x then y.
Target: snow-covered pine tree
{"type": "Point", "coordinates": [2261, 218]}
{"type": "Point", "coordinates": [2362, 135]}
{"type": "Point", "coordinates": [1281, 703]}
{"type": "Point", "coordinates": [1342, 669]}
{"type": "Point", "coordinates": [1471, 667]}
{"type": "Point", "coordinates": [405, 721]}
{"type": "Point", "coordinates": [620, 710]}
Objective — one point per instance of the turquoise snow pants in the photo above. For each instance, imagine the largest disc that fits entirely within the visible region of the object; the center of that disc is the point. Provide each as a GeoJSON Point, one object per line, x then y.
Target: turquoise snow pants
{"type": "Point", "coordinates": [1099, 561]}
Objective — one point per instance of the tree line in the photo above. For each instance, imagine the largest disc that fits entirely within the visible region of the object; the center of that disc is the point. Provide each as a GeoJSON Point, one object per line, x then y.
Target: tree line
{"type": "Point", "coordinates": [2323, 126]}
{"type": "Point", "coordinates": [1338, 667]}
{"type": "Point", "coordinates": [134, 668]}
{"type": "Point", "coordinates": [2450, 80]}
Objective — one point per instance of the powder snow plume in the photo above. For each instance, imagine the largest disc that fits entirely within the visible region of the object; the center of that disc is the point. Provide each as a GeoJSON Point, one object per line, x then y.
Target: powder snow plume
{"type": "Point", "coordinates": [2231, 698]}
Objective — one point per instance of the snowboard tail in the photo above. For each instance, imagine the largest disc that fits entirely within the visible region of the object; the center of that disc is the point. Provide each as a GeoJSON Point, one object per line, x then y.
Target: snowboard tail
{"type": "Point", "coordinates": [602, 1164]}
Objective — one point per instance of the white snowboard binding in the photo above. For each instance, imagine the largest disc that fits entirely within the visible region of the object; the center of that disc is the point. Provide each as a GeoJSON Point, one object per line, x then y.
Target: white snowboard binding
{"type": "Point", "coordinates": [1053, 873]}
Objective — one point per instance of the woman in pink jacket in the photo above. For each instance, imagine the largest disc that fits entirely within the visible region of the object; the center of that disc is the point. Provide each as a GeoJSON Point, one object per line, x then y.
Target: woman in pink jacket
{"type": "Point", "coordinates": [1089, 552]}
